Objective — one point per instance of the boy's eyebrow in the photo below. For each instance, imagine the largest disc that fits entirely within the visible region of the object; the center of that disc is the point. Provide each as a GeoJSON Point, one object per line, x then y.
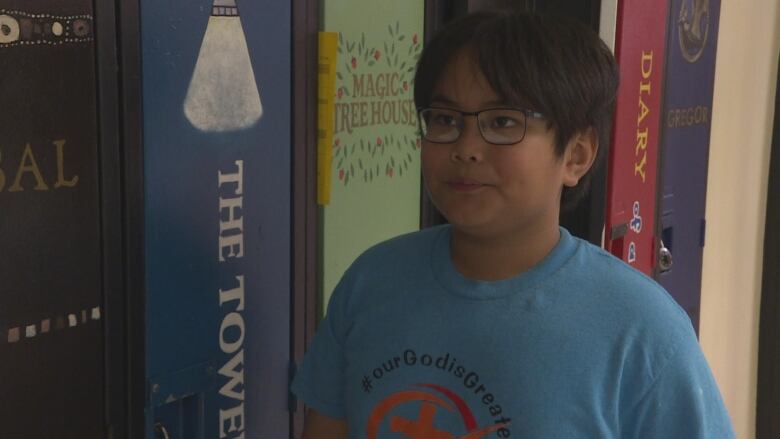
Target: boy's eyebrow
{"type": "Point", "coordinates": [445, 100]}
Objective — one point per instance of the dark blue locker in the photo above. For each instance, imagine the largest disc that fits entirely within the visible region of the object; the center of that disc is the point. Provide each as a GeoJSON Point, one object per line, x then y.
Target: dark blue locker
{"type": "Point", "coordinates": [216, 147]}
{"type": "Point", "coordinates": [690, 76]}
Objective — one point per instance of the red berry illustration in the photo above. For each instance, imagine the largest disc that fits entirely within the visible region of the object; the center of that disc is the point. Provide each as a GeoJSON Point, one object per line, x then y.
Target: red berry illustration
{"type": "Point", "coordinates": [414, 39]}
{"type": "Point", "coordinates": [406, 86]}
{"type": "Point", "coordinates": [390, 172]}
{"type": "Point", "coordinates": [337, 141]}
{"type": "Point", "coordinates": [341, 93]}
{"type": "Point", "coordinates": [341, 174]}
{"type": "Point", "coordinates": [418, 143]}
{"type": "Point", "coordinates": [354, 63]}
{"type": "Point", "coordinates": [377, 54]}
{"type": "Point", "coordinates": [379, 141]}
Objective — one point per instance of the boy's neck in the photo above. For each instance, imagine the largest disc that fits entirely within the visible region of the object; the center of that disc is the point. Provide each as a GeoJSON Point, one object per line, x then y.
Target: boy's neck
{"type": "Point", "coordinates": [501, 257]}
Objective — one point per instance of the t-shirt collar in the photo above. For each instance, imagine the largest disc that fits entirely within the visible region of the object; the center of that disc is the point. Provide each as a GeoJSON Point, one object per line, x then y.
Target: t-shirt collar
{"type": "Point", "coordinates": [455, 283]}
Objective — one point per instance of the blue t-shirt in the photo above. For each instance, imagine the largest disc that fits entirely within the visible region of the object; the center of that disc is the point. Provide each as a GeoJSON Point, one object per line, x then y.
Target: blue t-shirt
{"type": "Point", "coordinates": [580, 346]}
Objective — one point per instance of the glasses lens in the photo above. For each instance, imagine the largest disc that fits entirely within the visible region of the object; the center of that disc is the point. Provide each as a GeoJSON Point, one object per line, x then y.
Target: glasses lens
{"type": "Point", "coordinates": [502, 126]}
{"type": "Point", "coordinates": [440, 125]}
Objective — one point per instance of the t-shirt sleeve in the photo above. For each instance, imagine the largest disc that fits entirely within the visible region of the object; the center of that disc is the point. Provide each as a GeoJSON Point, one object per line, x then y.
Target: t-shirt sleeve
{"type": "Point", "coordinates": [682, 402]}
{"type": "Point", "coordinates": [319, 381]}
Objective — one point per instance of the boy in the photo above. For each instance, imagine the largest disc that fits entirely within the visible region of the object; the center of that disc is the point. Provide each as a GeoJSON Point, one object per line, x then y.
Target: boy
{"type": "Point", "coordinates": [501, 324]}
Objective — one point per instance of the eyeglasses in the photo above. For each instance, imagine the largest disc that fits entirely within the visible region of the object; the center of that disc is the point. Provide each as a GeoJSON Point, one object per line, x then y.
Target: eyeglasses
{"type": "Point", "coordinates": [498, 126]}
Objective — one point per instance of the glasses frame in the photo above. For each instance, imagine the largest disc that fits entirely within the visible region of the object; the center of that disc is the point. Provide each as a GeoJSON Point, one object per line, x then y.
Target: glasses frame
{"type": "Point", "coordinates": [526, 112]}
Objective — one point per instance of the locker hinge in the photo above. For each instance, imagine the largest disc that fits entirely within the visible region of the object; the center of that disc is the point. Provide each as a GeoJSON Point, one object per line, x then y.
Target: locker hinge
{"type": "Point", "coordinates": [702, 232]}
{"type": "Point", "coordinates": [292, 400]}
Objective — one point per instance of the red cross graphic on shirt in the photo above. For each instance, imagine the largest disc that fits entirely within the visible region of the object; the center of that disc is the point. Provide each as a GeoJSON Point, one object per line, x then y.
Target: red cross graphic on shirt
{"type": "Point", "coordinates": [422, 428]}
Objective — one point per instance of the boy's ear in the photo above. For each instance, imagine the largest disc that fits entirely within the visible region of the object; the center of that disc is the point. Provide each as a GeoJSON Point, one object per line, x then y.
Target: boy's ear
{"type": "Point", "coordinates": [579, 156]}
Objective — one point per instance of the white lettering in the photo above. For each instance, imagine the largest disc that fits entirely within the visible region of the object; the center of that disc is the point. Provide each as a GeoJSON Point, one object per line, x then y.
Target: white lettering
{"type": "Point", "coordinates": [232, 319]}
{"type": "Point", "coordinates": [236, 177]}
{"type": "Point", "coordinates": [234, 388]}
{"type": "Point", "coordinates": [234, 418]}
{"type": "Point", "coordinates": [232, 328]}
{"type": "Point", "coordinates": [236, 293]}
{"type": "Point", "coordinates": [231, 221]}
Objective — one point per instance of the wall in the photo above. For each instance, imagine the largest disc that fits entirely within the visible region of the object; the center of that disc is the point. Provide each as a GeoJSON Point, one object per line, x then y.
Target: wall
{"type": "Point", "coordinates": [745, 80]}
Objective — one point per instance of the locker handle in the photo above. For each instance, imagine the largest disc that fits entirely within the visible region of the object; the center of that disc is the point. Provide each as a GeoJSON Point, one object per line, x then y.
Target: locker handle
{"type": "Point", "coordinates": [162, 430]}
{"type": "Point", "coordinates": [664, 258]}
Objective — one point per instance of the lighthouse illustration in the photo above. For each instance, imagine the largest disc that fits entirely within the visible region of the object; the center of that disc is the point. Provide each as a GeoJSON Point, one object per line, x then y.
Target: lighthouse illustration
{"type": "Point", "coordinates": [222, 94]}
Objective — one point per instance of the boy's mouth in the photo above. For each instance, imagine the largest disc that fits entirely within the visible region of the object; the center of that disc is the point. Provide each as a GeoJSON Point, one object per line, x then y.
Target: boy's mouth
{"type": "Point", "coordinates": [465, 185]}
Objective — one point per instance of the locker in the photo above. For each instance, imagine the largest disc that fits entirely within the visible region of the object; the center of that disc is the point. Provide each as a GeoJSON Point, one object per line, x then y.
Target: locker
{"type": "Point", "coordinates": [51, 310]}
{"type": "Point", "coordinates": [690, 77]}
{"type": "Point", "coordinates": [216, 188]}
{"type": "Point", "coordinates": [375, 169]}
{"type": "Point", "coordinates": [145, 187]}
{"type": "Point", "coordinates": [632, 175]}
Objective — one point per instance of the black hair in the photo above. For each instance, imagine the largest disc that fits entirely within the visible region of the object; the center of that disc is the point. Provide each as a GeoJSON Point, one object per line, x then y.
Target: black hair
{"type": "Point", "coordinates": [550, 64]}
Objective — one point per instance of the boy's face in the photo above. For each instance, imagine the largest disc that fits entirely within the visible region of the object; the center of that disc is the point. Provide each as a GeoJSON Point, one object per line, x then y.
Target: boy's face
{"type": "Point", "coordinates": [491, 190]}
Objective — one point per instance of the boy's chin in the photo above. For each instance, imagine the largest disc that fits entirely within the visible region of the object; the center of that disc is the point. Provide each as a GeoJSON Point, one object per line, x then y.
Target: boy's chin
{"type": "Point", "coordinates": [480, 229]}
{"type": "Point", "coordinates": [488, 230]}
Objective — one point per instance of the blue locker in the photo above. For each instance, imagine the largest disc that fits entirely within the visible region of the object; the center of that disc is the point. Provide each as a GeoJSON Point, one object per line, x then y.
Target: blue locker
{"type": "Point", "coordinates": [690, 78]}
{"type": "Point", "coordinates": [216, 147]}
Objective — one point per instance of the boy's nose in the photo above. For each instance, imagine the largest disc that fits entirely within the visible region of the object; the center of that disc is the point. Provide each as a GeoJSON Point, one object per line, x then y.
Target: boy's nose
{"type": "Point", "coordinates": [470, 145]}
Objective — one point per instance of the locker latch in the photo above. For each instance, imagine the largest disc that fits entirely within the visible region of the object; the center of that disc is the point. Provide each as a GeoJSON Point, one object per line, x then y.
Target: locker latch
{"type": "Point", "coordinates": [664, 258]}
